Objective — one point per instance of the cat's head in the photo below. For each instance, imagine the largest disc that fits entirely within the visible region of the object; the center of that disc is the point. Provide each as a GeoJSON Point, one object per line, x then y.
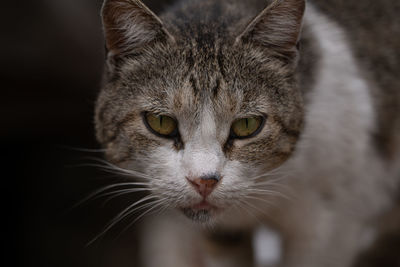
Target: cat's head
{"type": "Point", "coordinates": [200, 107]}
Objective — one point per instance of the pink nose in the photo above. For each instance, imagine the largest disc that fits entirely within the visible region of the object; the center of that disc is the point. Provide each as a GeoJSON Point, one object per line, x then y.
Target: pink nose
{"type": "Point", "coordinates": [205, 184]}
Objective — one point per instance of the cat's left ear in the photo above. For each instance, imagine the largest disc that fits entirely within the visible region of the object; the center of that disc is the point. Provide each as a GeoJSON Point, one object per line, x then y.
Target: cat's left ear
{"type": "Point", "coordinates": [130, 25]}
{"type": "Point", "coordinates": [277, 27]}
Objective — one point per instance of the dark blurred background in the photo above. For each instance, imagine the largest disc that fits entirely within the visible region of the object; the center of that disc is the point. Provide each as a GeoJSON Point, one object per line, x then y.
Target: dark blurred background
{"type": "Point", "coordinates": [52, 54]}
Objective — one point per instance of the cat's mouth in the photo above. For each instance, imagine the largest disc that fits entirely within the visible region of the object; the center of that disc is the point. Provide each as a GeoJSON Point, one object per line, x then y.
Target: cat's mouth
{"type": "Point", "coordinates": [200, 212]}
{"type": "Point", "coordinates": [203, 205]}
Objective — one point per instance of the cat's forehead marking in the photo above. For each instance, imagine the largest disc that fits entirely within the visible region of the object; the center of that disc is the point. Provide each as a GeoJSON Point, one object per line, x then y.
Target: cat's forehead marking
{"type": "Point", "coordinates": [205, 77]}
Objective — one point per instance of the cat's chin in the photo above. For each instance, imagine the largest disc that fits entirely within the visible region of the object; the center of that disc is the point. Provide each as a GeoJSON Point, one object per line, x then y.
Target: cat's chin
{"type": "Point", "coordinates": [201, 213]}
{"type": "Point", "coordinates": [198, 216]}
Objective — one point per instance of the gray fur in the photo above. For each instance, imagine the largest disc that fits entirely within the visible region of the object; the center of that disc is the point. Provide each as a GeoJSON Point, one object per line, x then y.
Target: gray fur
{"type": "Point", "coordinates": [327, 141]}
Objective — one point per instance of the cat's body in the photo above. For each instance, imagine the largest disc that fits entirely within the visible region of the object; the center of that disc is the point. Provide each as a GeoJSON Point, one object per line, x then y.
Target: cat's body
{"type": "Point", "coordinates": [321, 169]}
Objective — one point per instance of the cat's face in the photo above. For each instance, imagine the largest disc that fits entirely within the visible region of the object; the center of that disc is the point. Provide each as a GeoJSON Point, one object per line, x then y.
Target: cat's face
{"type": "Point", "coordinates": [231, 112]}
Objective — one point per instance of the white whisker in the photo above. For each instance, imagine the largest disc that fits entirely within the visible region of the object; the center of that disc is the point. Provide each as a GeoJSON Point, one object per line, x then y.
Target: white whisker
{"type": "Point", "coordinates": [247, 211]}
{"type": "Point", "coordinates": [261, 199]}
{"type": "Point", "coordinates": [105, 188]}
{"type": "Point", "coordinates": [255, 207]}
{"type": "Point", "coordinates": [121, 216]}
{"type": "Point", "coordinates": [118, 193]}
{"type": "Point", "coordinates": [267, 192]}
{"type": "Point", "coordinates": [157, 205]}
{"type": "Point", "coordinates": [81, 149]}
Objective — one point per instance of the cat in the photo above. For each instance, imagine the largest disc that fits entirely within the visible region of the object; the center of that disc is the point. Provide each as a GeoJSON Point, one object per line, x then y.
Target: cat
{"type": "Point", "coordinates": [240, 113]}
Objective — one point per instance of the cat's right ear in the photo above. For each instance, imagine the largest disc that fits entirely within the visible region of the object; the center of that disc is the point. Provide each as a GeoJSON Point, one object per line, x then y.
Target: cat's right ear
{"type": "Point", "coordinates": [277, 27]}
{"type": "Point", "coordinates": [129, 25]}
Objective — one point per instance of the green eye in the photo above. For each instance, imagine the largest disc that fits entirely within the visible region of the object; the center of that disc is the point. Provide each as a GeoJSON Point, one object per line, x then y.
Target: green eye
{"type": "Point", "coordinates": [161, 124]}
{"type": "Point", "coordinates": [246, 127]}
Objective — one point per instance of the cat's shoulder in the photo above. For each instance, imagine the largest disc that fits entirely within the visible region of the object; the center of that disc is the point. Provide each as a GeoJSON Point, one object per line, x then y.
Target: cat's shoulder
{"type": "Point", "coordinates": [373, 33]}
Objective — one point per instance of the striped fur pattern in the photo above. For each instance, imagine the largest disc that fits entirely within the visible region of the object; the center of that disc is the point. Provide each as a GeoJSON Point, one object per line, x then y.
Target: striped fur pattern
{"type": "Point", "coordinates": [316, 172]}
